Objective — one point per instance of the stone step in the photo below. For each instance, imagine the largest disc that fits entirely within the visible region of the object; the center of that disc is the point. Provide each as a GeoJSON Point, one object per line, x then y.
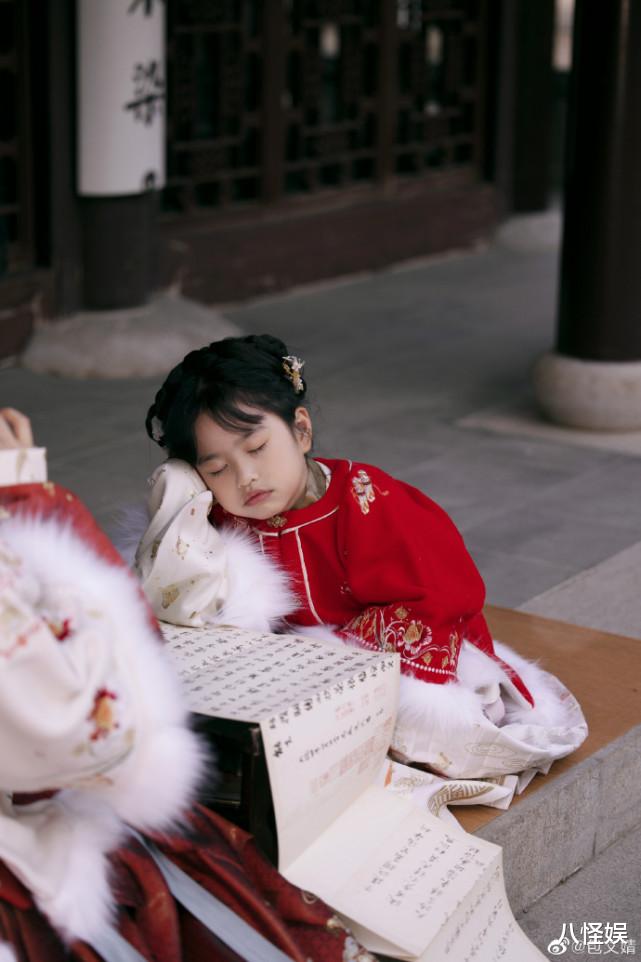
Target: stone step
{"type": "Point", "coordinates": [591, 799]}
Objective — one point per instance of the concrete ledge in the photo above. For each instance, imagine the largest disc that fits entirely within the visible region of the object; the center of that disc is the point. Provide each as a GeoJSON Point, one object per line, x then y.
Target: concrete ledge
{"type": "Point", "coordinates": [590, 799]}
{"type": "Point", "coordinates": [620, 783]}
{"type": "Point", "coordinates": [564, 824]}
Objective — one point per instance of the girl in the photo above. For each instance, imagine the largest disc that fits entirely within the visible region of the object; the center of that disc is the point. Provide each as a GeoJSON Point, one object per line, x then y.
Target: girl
{"type": "Point", "coordinates": [365, 554]}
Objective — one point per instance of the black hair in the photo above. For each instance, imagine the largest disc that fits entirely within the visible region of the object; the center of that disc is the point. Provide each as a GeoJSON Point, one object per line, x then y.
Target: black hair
{"type": "Point", "coordinates": [222, 380]}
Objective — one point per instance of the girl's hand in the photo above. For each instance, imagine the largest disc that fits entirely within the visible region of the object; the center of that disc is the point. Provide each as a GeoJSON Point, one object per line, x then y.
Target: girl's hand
{"type": "Point", "coordinates": [15, 429]}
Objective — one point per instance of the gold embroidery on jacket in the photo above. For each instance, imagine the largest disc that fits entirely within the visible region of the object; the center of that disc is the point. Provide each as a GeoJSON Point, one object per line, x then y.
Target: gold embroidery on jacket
{"type": "Point", "coordinates": [169, 595]}
{"type": "Point", "coordinates": [363, 491]}
{"type": "Point", "coordinates": [277, 521]}
{"type": "Point", "coordinates": [410, 637]}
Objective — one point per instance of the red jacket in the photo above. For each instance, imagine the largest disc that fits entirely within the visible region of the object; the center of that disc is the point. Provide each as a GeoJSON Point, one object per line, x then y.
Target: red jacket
{"type": "Point", "coordinates": [382, 562]}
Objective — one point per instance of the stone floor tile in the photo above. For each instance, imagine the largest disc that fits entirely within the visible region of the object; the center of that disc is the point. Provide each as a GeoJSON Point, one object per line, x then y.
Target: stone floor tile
{"type": "Point", "coordinates": [607, 596]}
{"type": "Point", "coordinates": [549, 534]}
{"type": "Point", "coordinates": [511, 579]}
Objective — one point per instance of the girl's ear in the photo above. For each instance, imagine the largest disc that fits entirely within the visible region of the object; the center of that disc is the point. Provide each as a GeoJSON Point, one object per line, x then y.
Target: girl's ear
{"type": "Point", "coordinates": [303, 429]}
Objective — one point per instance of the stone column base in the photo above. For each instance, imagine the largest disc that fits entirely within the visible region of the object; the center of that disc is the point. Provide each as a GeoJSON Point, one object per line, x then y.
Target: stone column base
{"type": "Point", "coordinates": [598, 395]}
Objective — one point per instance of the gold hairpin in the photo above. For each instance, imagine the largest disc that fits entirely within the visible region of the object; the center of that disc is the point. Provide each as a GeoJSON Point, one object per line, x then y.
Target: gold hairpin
{"type": "Point", "coordinates": [292, 367]}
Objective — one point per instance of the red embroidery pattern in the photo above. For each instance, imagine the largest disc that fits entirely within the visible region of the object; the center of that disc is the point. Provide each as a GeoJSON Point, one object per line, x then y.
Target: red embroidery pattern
{"type": "Point", "coordinates": [393, 629]}
{"type": "Point", "coordinates": [61, 629]}
{"type": "Point", "coordinates": [102, 714]}
{"type": "Point", "coordinates": [21, 640]}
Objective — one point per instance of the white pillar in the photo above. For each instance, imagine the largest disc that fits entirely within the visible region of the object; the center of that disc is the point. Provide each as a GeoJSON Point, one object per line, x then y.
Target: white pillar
{"type": "Point", "coordinates": [121, 96]}
{"type": "Point", "coordinates": [121, 146]}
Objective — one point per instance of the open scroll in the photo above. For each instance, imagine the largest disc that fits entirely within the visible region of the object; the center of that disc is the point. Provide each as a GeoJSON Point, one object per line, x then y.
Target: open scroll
{"type": "Point", "coordinates": [407, 884]}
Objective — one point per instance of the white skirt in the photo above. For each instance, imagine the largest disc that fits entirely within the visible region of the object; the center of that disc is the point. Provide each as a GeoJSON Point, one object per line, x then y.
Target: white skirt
{"type": "Point", "coordinates": [481, 726]}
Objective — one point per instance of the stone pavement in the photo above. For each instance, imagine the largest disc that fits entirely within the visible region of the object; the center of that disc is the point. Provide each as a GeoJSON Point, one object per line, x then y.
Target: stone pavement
{"type": "Point", "coordinates": [401, 365]}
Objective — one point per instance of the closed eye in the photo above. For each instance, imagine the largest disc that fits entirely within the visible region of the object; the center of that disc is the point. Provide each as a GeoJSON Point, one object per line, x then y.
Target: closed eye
{"type": "Point", "coordinates": [259, 448]}
{"type": "Point", "coordinates": [215, 474]}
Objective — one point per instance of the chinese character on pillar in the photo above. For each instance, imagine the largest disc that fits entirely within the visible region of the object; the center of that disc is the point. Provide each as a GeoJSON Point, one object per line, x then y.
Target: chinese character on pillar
{"type": "Point", "coordinates": [121, 96]}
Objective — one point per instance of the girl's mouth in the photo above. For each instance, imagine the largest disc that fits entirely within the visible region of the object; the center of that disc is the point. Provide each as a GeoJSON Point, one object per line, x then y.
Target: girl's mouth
{"type": "Point", "coordinates": [256, 498]}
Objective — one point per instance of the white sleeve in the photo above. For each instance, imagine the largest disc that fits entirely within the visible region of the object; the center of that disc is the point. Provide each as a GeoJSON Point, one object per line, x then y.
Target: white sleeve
{"type": "Point", "coordinates": [181, 559]}
{"type": "Point", "coordinates": [22, 465]}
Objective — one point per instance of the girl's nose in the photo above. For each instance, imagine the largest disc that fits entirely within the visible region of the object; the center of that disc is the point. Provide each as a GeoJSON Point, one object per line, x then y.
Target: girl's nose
{"type": "Point", "coordinates": [247, 475]}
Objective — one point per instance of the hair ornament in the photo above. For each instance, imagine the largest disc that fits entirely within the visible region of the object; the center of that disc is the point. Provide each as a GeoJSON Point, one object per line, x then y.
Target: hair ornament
{"type": "Point", "coordinates": [292, 367]}
{"type": "Point", "coordinates": [157, 432]}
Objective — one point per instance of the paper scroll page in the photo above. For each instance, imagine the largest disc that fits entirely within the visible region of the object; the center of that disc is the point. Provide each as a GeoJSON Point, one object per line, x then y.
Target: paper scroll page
{"type": "Point", "coordinates": [326, 713]}
{"type": "Point", "coordinates": [248, 676]}
{"type": "Point", "coordinates": [324, 751]}
{"type": "Point", "coordinates": [393, 870]}
{"type": "Point", "coordinates": [482, 929]}
{"type": "Point", "coordinates": [194, 649]}
{"type": "Point", "coordinates": [409, 885]}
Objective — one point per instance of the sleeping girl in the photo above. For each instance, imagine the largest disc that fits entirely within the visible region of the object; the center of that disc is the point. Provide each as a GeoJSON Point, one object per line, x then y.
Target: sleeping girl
{"type": "Point", "coordinates": [247, 528]}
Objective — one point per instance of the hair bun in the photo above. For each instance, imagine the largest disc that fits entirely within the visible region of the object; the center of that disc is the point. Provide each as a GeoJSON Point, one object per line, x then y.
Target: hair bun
{"type": "Point", "coordinates": [268, 345]}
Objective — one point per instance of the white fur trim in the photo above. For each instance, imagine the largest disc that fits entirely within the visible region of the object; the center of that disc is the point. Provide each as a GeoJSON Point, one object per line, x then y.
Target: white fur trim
{"type": "Point", "coordinates": [439, 708]}
{"type": "Point", "coordinates": [480, 726]}
{"type": "Point", "coordinates": [195, 574]}
{"type": "Point", "coordinates": [82, 903]}
{"type": "Point", "coordinates": [129, 525]}
{"type": "Point", "coordinates": [549, 709]}
{"type": "Point", "coordinates": [476, 670]}
{"type": "Point", "coordinates": [60, 561]}
{"type": "Point", "coordinates": [6, 953]}
{"type": "Point", "coordinates": [320, 633]}
{"type": "Point", "coordinates": [258, 595]}
{"type": "Point", "coordinates": [481, 680]}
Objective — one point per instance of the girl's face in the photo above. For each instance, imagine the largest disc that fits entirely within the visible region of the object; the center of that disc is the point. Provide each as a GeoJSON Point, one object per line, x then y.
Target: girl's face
{"type": "Point", "coordinates": [255, 473]}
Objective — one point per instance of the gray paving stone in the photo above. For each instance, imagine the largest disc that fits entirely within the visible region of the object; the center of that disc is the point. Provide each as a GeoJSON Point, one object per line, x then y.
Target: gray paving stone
{"type": "Point", "coordinates": [521, 416]}
{"type": "Point", "coordinates": [612, 490]}
{"type": "Point", "coordinates": [607, 596]}
{"type": "Point", "coordinates": [549, 534]}
{"type": "Point", "coordinates": [511, 579]}
{"type": "Point", "coordinates": [110, 477]}
{"type": "Point", "coordinates": [482, 480]}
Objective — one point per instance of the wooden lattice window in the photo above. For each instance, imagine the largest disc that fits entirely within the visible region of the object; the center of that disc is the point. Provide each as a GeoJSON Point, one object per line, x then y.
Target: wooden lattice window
{"type": "Point", "coordinates": [439, 84]}
{"type": "Point", "coordinates": [270, 99]}
{"type": "Point", "coordinates": [330, 102]}
{"type": "Point", "coordinates": [215, 96]}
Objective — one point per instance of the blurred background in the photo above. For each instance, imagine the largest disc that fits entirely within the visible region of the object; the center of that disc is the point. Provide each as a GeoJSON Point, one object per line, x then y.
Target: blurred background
{"type": "Point", "coordinates": [280, 141]}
